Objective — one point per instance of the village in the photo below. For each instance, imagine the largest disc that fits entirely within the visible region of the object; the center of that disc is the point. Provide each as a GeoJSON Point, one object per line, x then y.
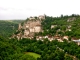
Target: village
{"type": "Point", "coordinates": [33, 25]}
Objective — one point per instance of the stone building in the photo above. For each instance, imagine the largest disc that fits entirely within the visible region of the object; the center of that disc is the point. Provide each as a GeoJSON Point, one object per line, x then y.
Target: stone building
{"type": "Point", "coordinates": [77, 41]}
{"type": "Point", "coordinates": [66, 37]}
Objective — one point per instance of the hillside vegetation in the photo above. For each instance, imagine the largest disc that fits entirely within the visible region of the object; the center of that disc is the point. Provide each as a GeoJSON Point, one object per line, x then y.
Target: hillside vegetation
{"type": "Point", "coordinates": [33, 49]}
{"type": "Point", "coordinates": [64, 26]}
{"type": "Point", "coordinates": [8, 27]}
{"type": "Point", "coordinates": [27, 49]}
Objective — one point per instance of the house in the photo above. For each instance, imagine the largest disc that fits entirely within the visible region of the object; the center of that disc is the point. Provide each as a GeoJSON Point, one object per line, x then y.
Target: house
{"type": "Point", "coordinates": [40, 37]}
{"type": "Point", "coordinates": [74, 38]}
{"type": "Point", "coordinates": [45, 36]}
{"type": "Point", "coordinates": [77, 41]}
{"type": "Point", "coordinates": [60, 39]}
{"type": "Point", "coordinates": [56, 37]}
{"type": "Point", "coordinates": [53, 26]}
{"type": "Point", "coordinates": [50, 38]}
{"type": "Point", "coordinates": [66, 37]}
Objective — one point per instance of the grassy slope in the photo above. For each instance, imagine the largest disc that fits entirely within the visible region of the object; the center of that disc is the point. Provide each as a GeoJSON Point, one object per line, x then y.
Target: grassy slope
{"type": "Point", "coordinates": [33, 54]}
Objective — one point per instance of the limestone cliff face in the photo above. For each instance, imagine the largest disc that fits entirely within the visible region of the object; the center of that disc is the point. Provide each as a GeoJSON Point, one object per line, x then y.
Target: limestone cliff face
{"type": "Point", "coordinates": [29, 28]}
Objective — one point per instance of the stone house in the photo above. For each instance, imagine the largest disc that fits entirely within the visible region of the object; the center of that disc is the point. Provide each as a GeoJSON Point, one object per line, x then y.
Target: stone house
{"type": "Point", "coordinates": [50, 38]}
{"type": "Point", "coordinates": [77, 41]}
{"type": "Point", "coordinates": [45, 36]}
{"type": "Point", "coordinates": [60, 39]}
{"type": "Point", "coordinates": [56, 36]}
{"type": "Point", "coordinates": [53, 26]}
{"type": "Point", "coordinates": [66, 37]}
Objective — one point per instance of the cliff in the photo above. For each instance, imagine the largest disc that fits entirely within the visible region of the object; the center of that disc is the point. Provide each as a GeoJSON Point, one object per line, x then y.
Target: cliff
{"type": "Point", "coordinates": [28, 29]}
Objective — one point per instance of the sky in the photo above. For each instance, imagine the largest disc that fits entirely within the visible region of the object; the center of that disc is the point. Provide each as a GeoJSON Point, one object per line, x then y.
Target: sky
{"type": "Point", "coordinates": [21, 9]}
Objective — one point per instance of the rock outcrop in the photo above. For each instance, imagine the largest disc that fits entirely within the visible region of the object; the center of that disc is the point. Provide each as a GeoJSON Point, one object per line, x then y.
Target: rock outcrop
{"type": "Point", "coordinates": [71, 19]}
{"type": "Point", "coordinates": [28, 29]}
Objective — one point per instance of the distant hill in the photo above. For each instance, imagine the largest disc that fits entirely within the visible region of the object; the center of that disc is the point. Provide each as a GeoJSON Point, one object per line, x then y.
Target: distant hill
{"type": "Point", "coordinates": [15, 21]}
{"type": "Point", "coordinates": [7, 27]}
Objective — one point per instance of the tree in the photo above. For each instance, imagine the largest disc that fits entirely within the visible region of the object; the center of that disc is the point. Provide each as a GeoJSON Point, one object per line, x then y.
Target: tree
{"type": "Point", "coordinates": [67, 57]}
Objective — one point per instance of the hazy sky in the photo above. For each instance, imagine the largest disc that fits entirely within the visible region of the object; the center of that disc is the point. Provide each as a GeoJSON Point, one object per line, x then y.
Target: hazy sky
{"type": "Point", "coordinates": [21, 9]}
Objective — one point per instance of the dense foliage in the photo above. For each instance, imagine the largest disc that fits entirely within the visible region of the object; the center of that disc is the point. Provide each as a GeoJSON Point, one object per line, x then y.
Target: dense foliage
{"type": "Point", "coordinates": [62, 26]}
{"type": "Point", "coordinates": [8, 27]}
{"type": "Point", "coordinates": [13, 49]}
{"type": "Point", "coordinates": [17, 50]}
{"type": "Point", "coordinates": [10, 51]}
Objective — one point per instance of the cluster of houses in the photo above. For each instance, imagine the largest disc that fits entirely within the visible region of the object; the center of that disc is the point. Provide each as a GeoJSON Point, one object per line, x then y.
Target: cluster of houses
{"type": "Point", "coordinates": [57, 37]}
{"type": "Point", "coordinates": [60, 39]}
{"type": "Point", "coordinates": [50, 38]}
{"type": "Point", "coordinates": [33, 25]}
{"type": "Point", "coordinates": [67, 29]}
